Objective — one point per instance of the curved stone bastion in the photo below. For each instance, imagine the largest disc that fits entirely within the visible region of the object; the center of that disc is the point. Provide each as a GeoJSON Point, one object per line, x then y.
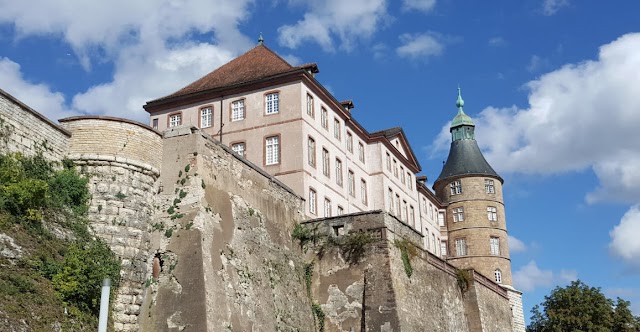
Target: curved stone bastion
{"type": "Point", "coordinates": [121, 159]}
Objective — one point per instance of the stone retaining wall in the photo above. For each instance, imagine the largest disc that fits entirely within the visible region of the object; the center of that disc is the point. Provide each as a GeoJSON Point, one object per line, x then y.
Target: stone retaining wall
{"type": "Point", "coordinates": [26, 131]}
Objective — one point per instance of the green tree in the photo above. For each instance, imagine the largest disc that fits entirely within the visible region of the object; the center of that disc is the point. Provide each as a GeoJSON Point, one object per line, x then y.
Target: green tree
{"type": "Point", "coordinates": [580, 308]}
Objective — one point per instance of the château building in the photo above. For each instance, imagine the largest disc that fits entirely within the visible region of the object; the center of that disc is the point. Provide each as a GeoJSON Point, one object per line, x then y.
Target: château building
{"type": "Point", "coordinates": [280, 118]}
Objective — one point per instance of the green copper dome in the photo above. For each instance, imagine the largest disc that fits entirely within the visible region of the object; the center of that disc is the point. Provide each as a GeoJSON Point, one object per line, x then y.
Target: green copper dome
{"type": "Point", "coordinates": [461, 118]}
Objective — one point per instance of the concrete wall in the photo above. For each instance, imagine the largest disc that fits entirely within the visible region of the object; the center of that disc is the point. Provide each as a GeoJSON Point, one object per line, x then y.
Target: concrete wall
{"type": "Point", "coordinates": [26, 131]}
{"type": "Point", "coordinates": [377, 294]}
{"type": "Point", "coordinates": [225, 260]}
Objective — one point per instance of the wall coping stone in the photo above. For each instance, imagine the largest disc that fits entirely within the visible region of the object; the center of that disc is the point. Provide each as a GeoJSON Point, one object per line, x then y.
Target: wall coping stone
{"type": "Point", "coordinates": [35, 113]}
{"type": "Point", "coordinates": [109, 118]}
{"type": "Point", "coordinates": [117, 159]}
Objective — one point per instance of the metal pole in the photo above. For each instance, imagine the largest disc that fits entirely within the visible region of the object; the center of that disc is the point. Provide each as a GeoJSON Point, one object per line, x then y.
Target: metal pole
{"type": "Point", "coordinates": [104, 305]}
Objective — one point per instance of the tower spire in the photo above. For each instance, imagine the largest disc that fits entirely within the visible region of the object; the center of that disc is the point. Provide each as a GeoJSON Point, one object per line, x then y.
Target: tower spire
{"type": "Point", "coordinates": [260, 39]}
{"type": "Point", "coordinates": [459, 101]}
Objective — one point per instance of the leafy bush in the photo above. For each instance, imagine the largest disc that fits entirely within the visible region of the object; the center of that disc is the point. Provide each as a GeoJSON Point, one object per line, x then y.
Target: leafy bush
{"type": "Point", "coordinates": [84, 267]}
{"type": "Point", "coordinates": [69, 189]}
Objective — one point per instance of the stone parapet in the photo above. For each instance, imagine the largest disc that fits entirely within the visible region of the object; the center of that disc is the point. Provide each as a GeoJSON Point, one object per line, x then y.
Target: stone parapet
{"type": "Point", "coordinates": [24, 130]}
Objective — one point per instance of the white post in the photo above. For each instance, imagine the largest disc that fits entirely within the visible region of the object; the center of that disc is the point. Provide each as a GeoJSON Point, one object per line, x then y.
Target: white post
{"type": "Point", "coordinates": [104, 305]}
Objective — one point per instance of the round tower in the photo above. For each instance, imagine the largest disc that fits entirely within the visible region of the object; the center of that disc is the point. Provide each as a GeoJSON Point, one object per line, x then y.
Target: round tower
{"type": "Point", "coordinates": [472, 192]}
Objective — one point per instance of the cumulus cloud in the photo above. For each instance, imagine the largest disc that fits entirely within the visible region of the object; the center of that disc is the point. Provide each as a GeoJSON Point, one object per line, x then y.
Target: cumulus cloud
{"type": "Point", "coordinates": [328, 20]}
{"type": "Point", "coordinates": [530, 277]}
{"type": "Point", "coordinates": [515, 245]}
{"type": "Point", "coordinates": [624, 238]}
{"type": "Point", "coordinates": [145, 41]}
{"type": "Point", "coordinates": [579, 116]}
{"type": "Point", "coordinates": [537, 63]}
{"type": "Point", "coordinates": [419, 5]}
{"type": "Point", "coordinates": [38, 96]}
{"type": "Point", "coordinates": [419, 46]}
{"type": "Point", "coordinates": [551, 7]}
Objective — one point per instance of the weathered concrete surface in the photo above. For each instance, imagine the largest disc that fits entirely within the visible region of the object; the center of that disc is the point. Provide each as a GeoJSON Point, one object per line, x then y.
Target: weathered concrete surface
{"type": "Point", "coordinates": [376, 294]}
{"type": "Point", "coordinates": [227, 256]}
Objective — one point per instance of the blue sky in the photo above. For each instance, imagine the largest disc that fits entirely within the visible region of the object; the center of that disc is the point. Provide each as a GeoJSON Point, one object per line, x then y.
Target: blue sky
{"type": "Point", "coordinates": [553, 85]}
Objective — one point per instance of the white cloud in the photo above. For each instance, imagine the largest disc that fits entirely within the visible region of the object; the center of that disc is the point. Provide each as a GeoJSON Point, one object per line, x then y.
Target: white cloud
{"type": "Point", "coordinates": [497, 41]}
{"type": "Point", "coordinates": [537, 63]}
{"type": "Point", "coordinates": [38, 96]}
{"type": "Point", "coordinates": [346, 21]}
{"type": "Point", "coordinates": [515, 245]}
{"type": "Point", "coordinates": [551, 7]}
{"type": "Point", "coordinates": [624, 238]}
{"type": "Point", "coordinates": [145, 41]}
{"type": "Point", "coordinates": [531, 276]}
{"type": "Point", "coordinates": [419, 5]}
{"type": "Point", "coordinates": [419, 46]}
{"type": "Point", "coordinates": [580, 116]}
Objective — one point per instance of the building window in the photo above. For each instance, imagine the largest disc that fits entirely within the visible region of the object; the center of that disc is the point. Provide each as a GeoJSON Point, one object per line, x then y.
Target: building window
{"type": "Point", "coordinates": [349, 142]}
{"type": "Point", "coordinates": [205, 117]}
{"type": "Point", "coordinates": [492, 213]}
{"type": "Point", "coordinates": [155, 124]}
{"type": "Point", "coordinates": [312, 201]}
{"type": "Point", "coordinates": [175, 120]}
{"type": "Point", "coordinates": [324, 118]}
{"type": "Point", "coordinates": [340, 210]}
{"type": "Point", "coordinates": [398, 206]}
{"type": "Point", "coordinates": [325, 162]}
{"type": "Point", "coordinates": [310, 110]}
{"type": "Point", "coordinates": [458, 214]}
{"type": "Point", "coordinates": [456, 187]}
{"type": "Point", "coordinates": [431, 211]}
{"type": "Point", "coordinates": [336, 129]}
{"type": "Point", "coordinates": [390, 200]}
{"type": "Point", "coordinates": [388, 162]}
{"type": "Point", "coordinates": [272, 103]}
{"type": "Point", "coordinates": [494, 243]}
{"type": "Point", "coordinates": [402, 174]}
{"type": "Point", "coordinates": [352, 183]}
{"type": "Point", "coordinates": [409, 181]}
{"type": "Point", "coordinates": [412, 216]}
{"type": "Point", "coordinates": [238, 148]}
{"type": "Point", "coordinates": [311, 152]}
{"type": "Point", "coordinates": [237, 110]}
{"type": "Point", "coordinates": [488, 186]}
{"type": "Point", "coordinates": [363, 191]}
{"type": "Point", "coordinates": [461, 247]}
{"type": "Point", "coordinates": [327, 208]}
{"type": "Point", "coordinates": [361, 152]}
{"type": "Point", "coordinates": [272, 150]}
{"type": "Point", "coordinates": [441, 219]}
{"type": "Point", "coordinates": [498, 274]}
{"type": "Point", "coordinates": [395, 168]}
{"type": "Point", "coordinates": [339, 172]}
{"type": "Point", "coordinates": [443, 248]}
{"type": "Point", "coordinates": [424, 205]}
{"type": "Point", "coordinates": [433, 241]}
{"type": "Point", "coordinates": [404, 211]}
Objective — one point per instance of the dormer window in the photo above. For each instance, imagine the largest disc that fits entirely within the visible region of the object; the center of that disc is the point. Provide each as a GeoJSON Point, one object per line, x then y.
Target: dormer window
{"type": "Point", "coordinates": [456, 187]}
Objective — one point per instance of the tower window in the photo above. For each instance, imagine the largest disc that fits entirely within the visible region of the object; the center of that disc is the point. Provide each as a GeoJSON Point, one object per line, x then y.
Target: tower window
{"type": "Point", "coordinates": [488, 186]}
{"type": "Point", "coordinates": [494, 243]}
{"type": "Point", "coordinates": [498, 274]}
{"type": "Point", "coordinates": [458, 214]}
{"type": "Point", "coordinates": [456, 187]}
{"type": "Point", "coordinates": [461, 247]}
{"type": "Point", "coordinates": [492, 213]}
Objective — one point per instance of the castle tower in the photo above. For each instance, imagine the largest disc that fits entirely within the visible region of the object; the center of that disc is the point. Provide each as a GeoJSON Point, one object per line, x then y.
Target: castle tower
{"type": "Point", "coordinates": [472, 191]}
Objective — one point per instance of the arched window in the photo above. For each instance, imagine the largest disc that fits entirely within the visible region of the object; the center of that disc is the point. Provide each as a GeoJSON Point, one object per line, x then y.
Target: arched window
{"type": "Point", "coordinates": [498, 274]}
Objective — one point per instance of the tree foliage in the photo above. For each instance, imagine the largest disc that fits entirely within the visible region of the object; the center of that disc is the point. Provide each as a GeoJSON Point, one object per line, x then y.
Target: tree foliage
{"type": "Point", "coordinates": [580, 308]}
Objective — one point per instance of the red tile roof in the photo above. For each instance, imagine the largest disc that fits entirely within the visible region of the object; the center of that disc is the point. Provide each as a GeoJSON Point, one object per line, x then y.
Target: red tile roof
{"type": "Point", "coordinates": [259, 62]}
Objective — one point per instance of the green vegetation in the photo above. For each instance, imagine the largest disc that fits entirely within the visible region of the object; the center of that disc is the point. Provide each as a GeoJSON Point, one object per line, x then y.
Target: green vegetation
{"type": "Point", "coordinates": [464, 278]}
{"type": "Point", "coordinates": [407, 251]}
{"type": "Point", "coordinates": [319, 314]}
{"type": "Point", "coordinates": [579, 307]}
{"type": "Point", "coordinates": [43, 208]}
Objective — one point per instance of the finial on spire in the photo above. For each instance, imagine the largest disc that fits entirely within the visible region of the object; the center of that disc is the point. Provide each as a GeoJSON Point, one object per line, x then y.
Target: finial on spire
{"type": "Point", "coordinates": [260, 40]}
{"type": "Point", "coordinates": [459, 101]}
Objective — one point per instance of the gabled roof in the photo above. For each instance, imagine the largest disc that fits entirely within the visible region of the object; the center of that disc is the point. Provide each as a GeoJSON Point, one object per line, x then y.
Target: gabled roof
{"type": "Point", "coordinates": [397, 132]}
{"type": "Point", "coordinates": [257, 63]}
